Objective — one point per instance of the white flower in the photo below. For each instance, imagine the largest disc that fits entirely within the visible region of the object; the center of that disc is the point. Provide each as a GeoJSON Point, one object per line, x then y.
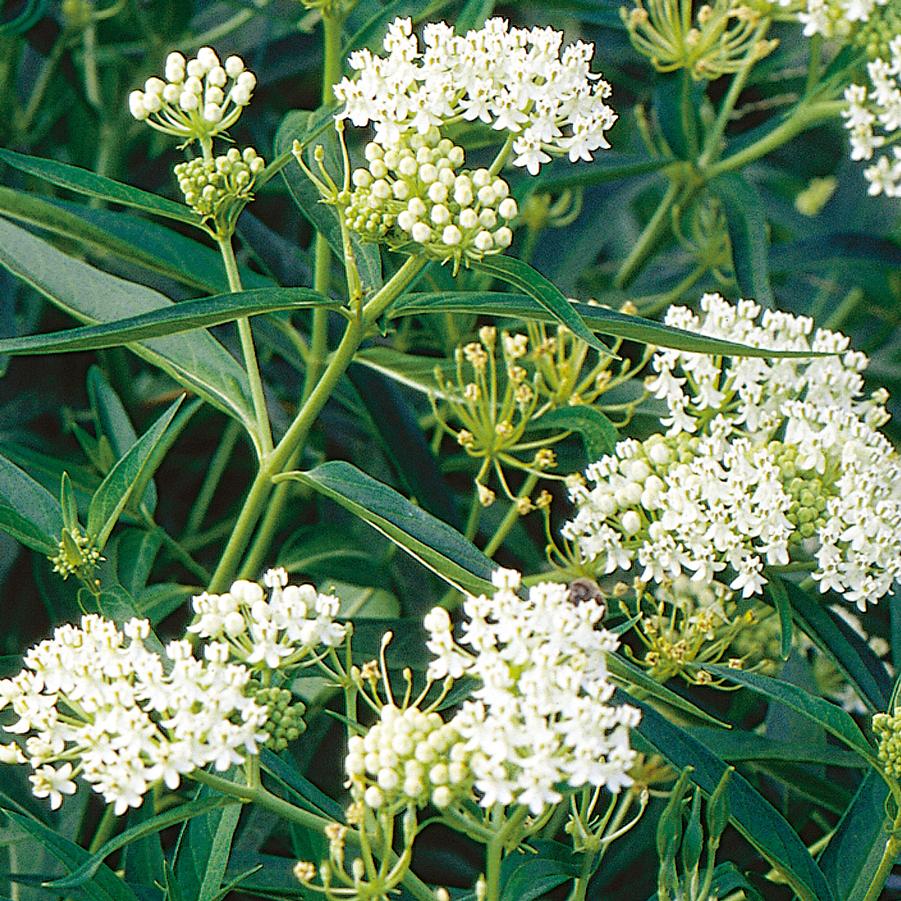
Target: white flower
{"type": "Point", "coordinates": [198, 99]}
{"type": "Point", "coordinates": [539, 716]}
{"type": "Point", "coordinates": [49, 782]}
{"type": "Point", "coordinates": [514, 79]}
{"type": "Point", "coordinates": [720, 490]}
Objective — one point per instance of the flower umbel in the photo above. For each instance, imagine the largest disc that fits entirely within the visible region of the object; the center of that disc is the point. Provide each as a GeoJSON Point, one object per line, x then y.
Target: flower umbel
{"type": "Point", "coordinates": [199, 97]}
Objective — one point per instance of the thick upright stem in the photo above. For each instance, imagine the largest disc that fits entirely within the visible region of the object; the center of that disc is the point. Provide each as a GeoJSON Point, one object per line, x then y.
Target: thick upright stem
{"type": "Point", "coordinates": [264, 433]}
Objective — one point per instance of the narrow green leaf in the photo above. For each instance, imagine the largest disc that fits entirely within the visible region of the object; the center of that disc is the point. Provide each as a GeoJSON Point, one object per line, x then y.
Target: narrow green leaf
{"type": "Point", "coordinates": [600, 319]}
{"type": "Point", "coordinates": [112, 495]}
{"type": "Point", "coordinates": [522, 276]}
{"type": "Point", "coordinates": [28, 510]}
{"type": "Point", "coordinates": [170, 817]}
{"type": "Point", "coordinates": [784, 610]}
{"type": "Point", "coordinates": [843, 248]}
{"type": "Point", "coordinates": [68, 503]}
{"type": "Point", "coordinates": [528, 877]}
{"type": "Point", "coordinates": [853, 854]}
{"type": "Point", "coordinates": [412, 370]}
{"type": "Point", "coordinates": [105, 885]}
{"type": "Point", "coordinates": [198, 361]}
{"type": "Point", "coordinates": [629, 675]}
{"type": "Point", "coordinates": [114, 423]}
{"type": "Point", "coordinates": [609, 166]}
{"type": "Point", "coordinates": [83, 181]}
{"type": "Point", "coordinates": [746, 222]}
{"type": "Point", "coordinates": [473, 15]}
{"type": "Point", "coordinates": [851, 655]}
{"type": "Point", "coordinates": [735, 746]}
{"type": "Point", "coordinates": [324, 218]}
{"type": "Point", "coordinates": [824, 713]}
{"type": "Point", "coordinates": [754, 817]}
{"type": "Point", "coordinates": [186, 316]}
{"type": "Point", "coordinates": [598, 433]}
{"type": "Point", "coordinates": [219, 852]}
{"type": "Point", "coordinates": [312, 799]}
{"type": "Point", "coordinates": [108, 233]}
{"type": "Point", "coordinates": [433, 543]}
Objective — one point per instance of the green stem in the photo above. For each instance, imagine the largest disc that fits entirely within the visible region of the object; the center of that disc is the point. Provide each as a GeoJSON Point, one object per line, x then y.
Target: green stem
{"type": "Point", "coordinates": [648, 306]}
{"type": "Point", "coordinates": [258, 794]}
{"type": "Point", "coordinates": [105, 829]}
{"type": "Point", "coordinates": [91, 80]}
{"type": "Point", "coordinates": [649, 238]}
{"type": "Point", "coordinates": [264, 433]}
{"type": "Point", "coordinates": [511, 517]}
{"type": "Point", "coordinates": [293, 439]}
{"type": "Point", "coordinates": [42, 83]}
{"type": "Point", "coordinates": [887, 864]}
{"type": "Point", "coordinates": [714, 136]}
{"type": "Point", "coordinates": [178, 552]}
{"type": "Point", "coordinates": [803, 117]}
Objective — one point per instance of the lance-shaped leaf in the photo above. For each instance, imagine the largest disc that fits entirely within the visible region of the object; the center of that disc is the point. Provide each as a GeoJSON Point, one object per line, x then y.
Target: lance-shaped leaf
{"type": "Point", "coordinates": [597, 432]}
{"type": "Point", "coordinates": [198, 361]}
{"type": "Point", "coordinates": [746, 222]}
{"type": "Point", "coordinates": [83, 181]}
{"type": "Point", "coordinates": [521, 275]}
{"type": "Point", "coordinates": [164, 820]}
{"type": "Point", "coordinates": [105, 886]}
{"type": "Point", "coordinates": [818, 710]}
{"type": "Point", "coordinates": [754, 817]}
{"type": "Point", "coordinates": [186, 316]}
{"type": "Point", "coordinates": [134, 468]}
{"type": "Point", "coordinates": [598, 319]}
{"type": "Point", "coordinates": [28, 511]}
{"type": "Point", "coordinates": [433, 543]}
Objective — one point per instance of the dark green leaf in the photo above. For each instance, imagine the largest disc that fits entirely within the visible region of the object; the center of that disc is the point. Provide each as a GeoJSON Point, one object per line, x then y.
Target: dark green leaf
{"type": "Point", "coordinates": [82, 181]}
{"type": "Point", "coordinates": [757, 820]}
{"type": "Point", "coordinates": [530, 876]}
{"type": "Point", "coordinates": [312, 799]}
{"type": "Point", "coordinates": [735, 746]}
{"type": "Point", "coordinates": [522, 276]}
{"type": "Point", "coordinates": [853, 657]}
{"type": "Point", "coordinates": [105, 885]}
{"type": "Point", "coordinates": [600, 319]}
{"type": "Point", "coordinates": [853, 854]}
{"type": "Point", "coordinates": [151, 826]}
{"type": "Point", "coordinates": [112, 495]}
{"type": "Point", "coordinates": [106, 233]}
{"type": "Point", "coordinates": [413, 371]}
{"type": "Point", "coordinates": [598, 433]}
{"type": "Point", "coordinates": [324, 218]}
{"type": "Point", "coordinates": [824, 713]}
{"type": "Point", "coordinates": [473, 15]}
{"type": "Point", "coordinates": [609, 166]}
{"type": "Point", "coordinates": [783, 609]}
{"type": "Point", "coordinates": [188, 315]}
{"type": "Point", "coordinates": [676, 112]}
{"type": "Point", "coordinates": [746, 221]}
{"type": "Point", "coordinates": [90, 295]}
{"type": "Point", "coordinates": [29, 512]}
{"type": "Point", "coordinates": [433, 543]}
{"type": "Point", "coordinates": [840, 248]}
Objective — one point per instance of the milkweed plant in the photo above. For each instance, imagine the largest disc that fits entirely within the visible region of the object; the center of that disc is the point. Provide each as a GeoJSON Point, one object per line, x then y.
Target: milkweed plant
{"type": "Point", "coordinates": [474, 473]}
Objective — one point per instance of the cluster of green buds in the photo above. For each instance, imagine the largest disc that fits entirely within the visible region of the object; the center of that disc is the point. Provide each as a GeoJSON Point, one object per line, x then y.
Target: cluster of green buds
{"type": "Point", "coordinates": [198, 99]}
{"type": "Point", "coordinates": [218, 189]}
{"type": "Point", "coordinates": [875, 34]}
{"type": "Point", "coordinates": [809, 490]}
{"type": "Point", "coordinates": [416, 192]}
{"type": "Point", "coordinates": [77, 556]}
{"type": "Point", "coordinates": [681, 836]}
{"type": "Point", "coordinates": [284, 718]}
{"type": "Point", "coordinates": [408, 758]}
{"type": "Point", "coordinates": [685, 625]}
{"type": "Point", "coordinates": [720, 40]}
{"type": "Point", "coordinates": [887, 727]}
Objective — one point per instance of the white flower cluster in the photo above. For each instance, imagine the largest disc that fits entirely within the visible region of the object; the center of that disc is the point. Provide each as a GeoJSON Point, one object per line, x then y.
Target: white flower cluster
{"type": "Point", "coordinates": [831, 18]}
{"type": "Point", "coordinates": [199, 97]}
{"type": "Point", "coordinates": [720, 489]}
{"type": "Point", "coordinates": [873, 118]}
{"type": "Point", "coordinates": [280, 632]}
{"type": "Point", "coordinates": [540, 715]}
{"type": "Point", "coordinates": [514, 79]}
{"type": "Point", "coordinates": [416, 191]}
{"type": "Point", "coordinates": [122, 716]}
{"type": "Point", "coordinates": [408, 757]}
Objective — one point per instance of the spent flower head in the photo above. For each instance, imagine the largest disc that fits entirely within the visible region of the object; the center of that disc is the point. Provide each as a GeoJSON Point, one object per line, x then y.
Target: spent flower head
{"type": "Point", "coordinates": [766, 462]}
{"type": "Point", "coordinates": [540, 716]}
{"type": "Point", "coordinates": [198, 98]}
{"type": "Point", "coordinates": [518, 80]}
